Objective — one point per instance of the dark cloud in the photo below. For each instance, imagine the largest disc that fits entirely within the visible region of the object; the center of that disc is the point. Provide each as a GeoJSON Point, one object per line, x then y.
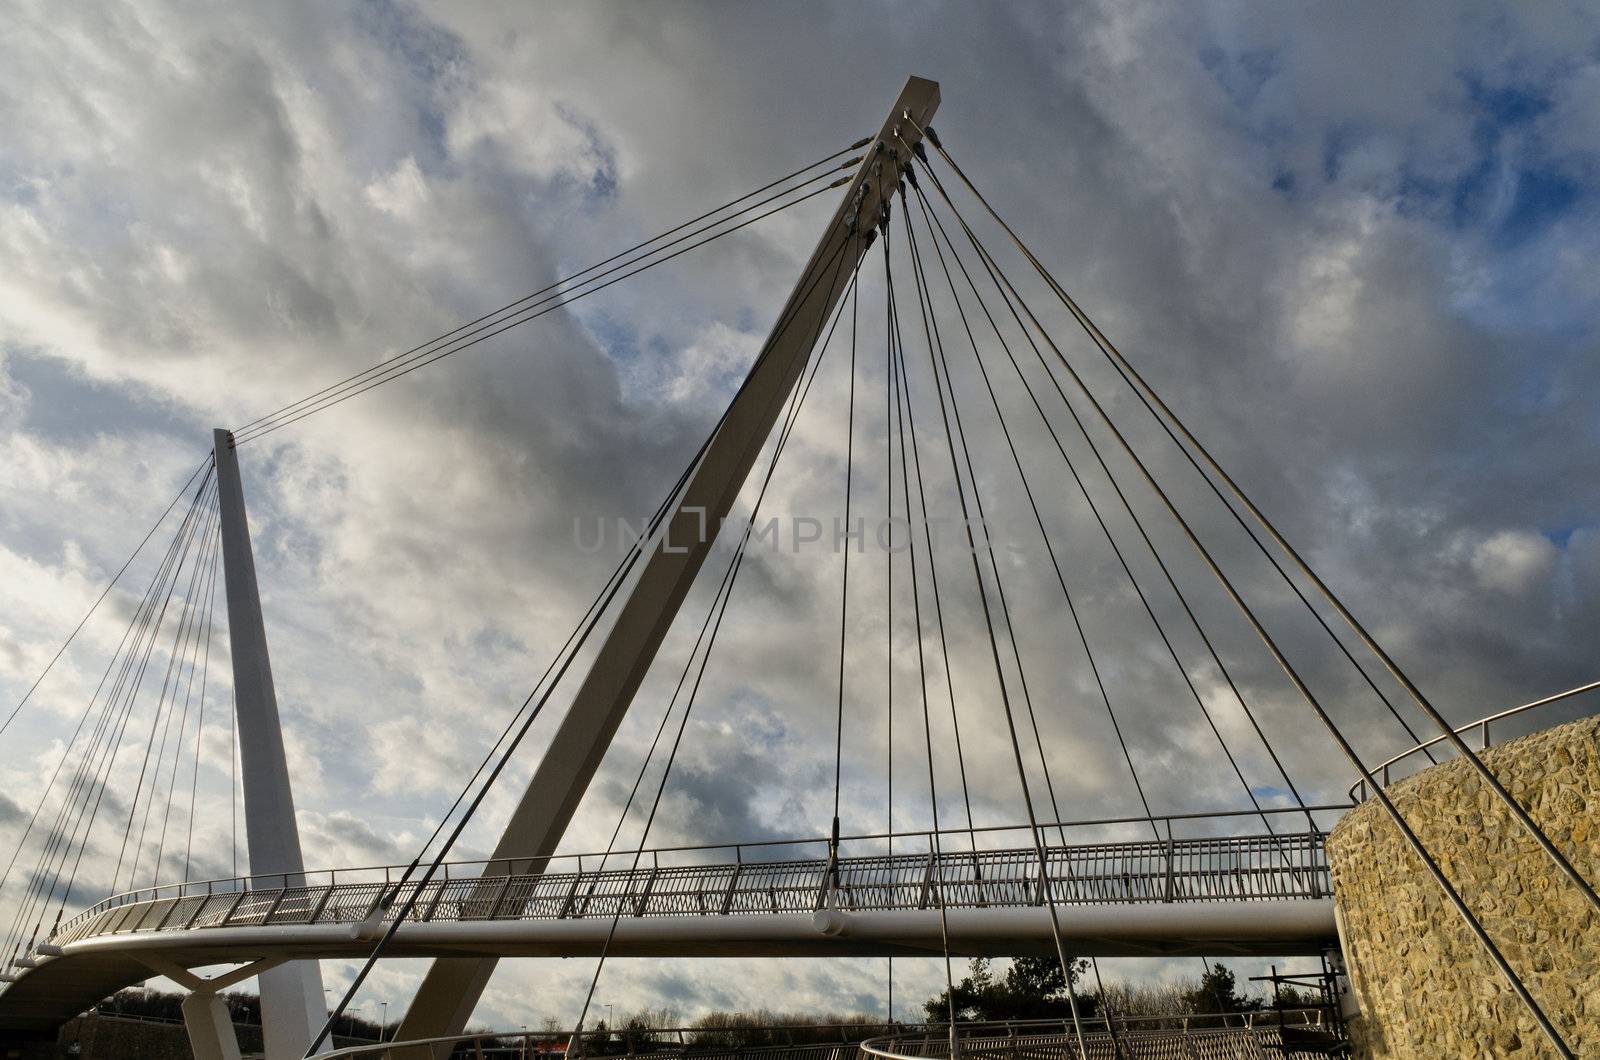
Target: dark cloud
{"type": "Point", "coordinates": [1352, 250]}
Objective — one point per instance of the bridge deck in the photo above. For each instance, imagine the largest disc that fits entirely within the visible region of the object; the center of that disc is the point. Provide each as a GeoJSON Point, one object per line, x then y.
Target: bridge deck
{"type": "Point", "coordinates": [1238, 868]}
{"type": "Point", "coordinates": [1248, 894]}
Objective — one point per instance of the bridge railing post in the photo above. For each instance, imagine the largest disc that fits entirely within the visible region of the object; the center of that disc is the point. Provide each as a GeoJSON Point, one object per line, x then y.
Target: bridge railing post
{"type": "Point", "coordinates": [927, 877]}
{"type": "Point", "coordinates": [1172, 882]}
{"type": "Point", "coordinates": [733, 881]}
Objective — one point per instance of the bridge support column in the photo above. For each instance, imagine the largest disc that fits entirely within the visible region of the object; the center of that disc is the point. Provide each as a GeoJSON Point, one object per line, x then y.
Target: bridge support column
{"type": "Point", "coordinates": [292, 1003]}
{"type": "Point", "coordinates": [210, 1027]}
{"type": "Point", "coordinates": [453, 985]}
{"type": "Point", "coordinates": [205, 1014]}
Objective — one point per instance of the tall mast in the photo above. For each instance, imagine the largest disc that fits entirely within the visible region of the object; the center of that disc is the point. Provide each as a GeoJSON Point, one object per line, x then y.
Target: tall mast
{"type": "Point", "coordinates": [292, 1003]}
{"type": "Point", "coordinates": [453, 985]}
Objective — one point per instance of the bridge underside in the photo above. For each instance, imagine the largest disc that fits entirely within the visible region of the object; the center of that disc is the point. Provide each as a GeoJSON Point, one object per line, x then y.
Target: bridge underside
{"type": "Point", "coordinates": [62, 986]}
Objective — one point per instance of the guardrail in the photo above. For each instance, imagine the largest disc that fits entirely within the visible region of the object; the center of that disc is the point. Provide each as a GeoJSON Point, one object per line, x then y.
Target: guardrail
{"type": "Point", "coordinates": [782, 1042]}
{"type": "Point", "coordinates": [1195, 1036]}
{"type": "Point", "coordinates": [1257, 1035]}
{"type": "Point", "coordinates": [1385, 771]}
{"type": "Point", "coordinates": [1269, 866]}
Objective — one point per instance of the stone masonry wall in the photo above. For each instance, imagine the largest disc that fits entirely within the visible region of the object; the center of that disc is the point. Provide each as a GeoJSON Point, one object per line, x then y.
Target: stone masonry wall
{"type": "Point", "coordinates": [1425, 985]}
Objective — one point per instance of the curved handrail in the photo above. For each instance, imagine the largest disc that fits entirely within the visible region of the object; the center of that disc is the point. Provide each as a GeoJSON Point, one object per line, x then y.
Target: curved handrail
{"type": "Point", "coordinates": [459, 870]}
{"type": "Point", "coordinates": [1275, 866]}
{"type": "Point", "coordinates": [1358, 790]}
{"type": "Point", "coordinates": [1018, 1039]}
{"type": "Point", "coordinates": [524, 1042]}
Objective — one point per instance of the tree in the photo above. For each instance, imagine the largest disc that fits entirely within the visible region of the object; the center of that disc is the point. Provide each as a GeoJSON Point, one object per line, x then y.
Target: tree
{"type": "Point", "coordinates": [1033, 988]}
{"type": "Point", "coordinates": [1218, 991]}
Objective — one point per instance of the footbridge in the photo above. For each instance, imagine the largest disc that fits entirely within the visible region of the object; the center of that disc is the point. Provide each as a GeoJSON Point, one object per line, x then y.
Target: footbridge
{"type": "Point", "coordinates": [942, 326]}
{"type": "Point", "coordinates": [1264, 893]}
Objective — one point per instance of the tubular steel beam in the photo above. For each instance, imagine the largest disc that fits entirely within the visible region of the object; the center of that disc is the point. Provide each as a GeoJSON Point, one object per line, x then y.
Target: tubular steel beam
{"type": "Point", "coordinates": [452, 987]}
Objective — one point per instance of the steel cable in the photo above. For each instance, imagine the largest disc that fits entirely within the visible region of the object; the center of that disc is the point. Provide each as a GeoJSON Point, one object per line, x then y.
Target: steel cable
{"type": "Point", "coordinates": [207, 596]}
{"type": "Point", "coordinates": [571, 278]}
{"type": "Point", "coordinates": [1170, 420]}
{"type": "Point", "coordinates": [523, 315]}
{"type": "Point", "coordinates": [200, 725]}
{"type": "Point", "coordinates": [1167, 418]}
{"type": "Point", "coordinates": [576, 641]}
{"type": "Point", "coordinates": [1005, 699]}
{"type": "Point", "coordinates": [1171, 581]}
{"type": "Point", "coordinates": [719, 610]}
{"type": "Point", "coordinates": [902, 402]}
{"type": "Point", "coordinates": [99, 753]}
{"type": "Point", "coordinates": [179, 644]}
{"type": "Point", "coordinates": [930, 317]}
{"type": "Point", "coordinates": [844, 586]}
{"type": "Point", "coordinates": [100, 599]}
{"type": "Point", "coordinates": [1291, 673]}
{"type": "Point", "coordinates": [95, 695]}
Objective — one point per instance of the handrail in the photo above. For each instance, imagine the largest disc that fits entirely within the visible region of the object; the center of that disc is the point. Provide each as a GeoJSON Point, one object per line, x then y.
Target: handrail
{"type": "Point", "coordinates": [1265, 866]}
{"type": "Point", "coordinates": [1002, 1041]}
{"type": "Point", "coordinates": [525, 1042]}
{"type": "Point", "coordinates": [457, 869]}
{"type": "Point", "coordinates": [1358, 791]}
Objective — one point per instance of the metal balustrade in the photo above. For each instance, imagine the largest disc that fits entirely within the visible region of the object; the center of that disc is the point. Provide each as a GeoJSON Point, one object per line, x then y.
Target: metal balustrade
{"type": "Point", "coordinates": [1231, 868]}
{"type": "Point", "coordinates": [1405, 763]}
{"type": "Point", "coordinates": [825, 1041]}
{"type": "Point", "coordinates": [1243, 1036]}
{"type": "Point", "coordinates": [1257, 1035]}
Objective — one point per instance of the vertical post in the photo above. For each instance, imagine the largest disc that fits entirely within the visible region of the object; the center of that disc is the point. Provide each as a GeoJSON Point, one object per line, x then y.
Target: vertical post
{"type": "Point", "coordinates": [291, 994]}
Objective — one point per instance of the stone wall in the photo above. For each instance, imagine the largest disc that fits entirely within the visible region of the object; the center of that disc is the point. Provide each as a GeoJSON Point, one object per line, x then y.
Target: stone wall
{"type": "Point", "coordinates": [1425, 986]}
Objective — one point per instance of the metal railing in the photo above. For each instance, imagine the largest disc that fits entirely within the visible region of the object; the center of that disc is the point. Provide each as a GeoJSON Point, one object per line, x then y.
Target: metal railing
{"type": "Point", "coordinates": [807, 1041]}
{"type": "Point", "coordinates": [1206, 868]}
{"type": "Point", "coordinates": [1254, 1035]}
{"type": "Point", "coordinates": [1385, 771]}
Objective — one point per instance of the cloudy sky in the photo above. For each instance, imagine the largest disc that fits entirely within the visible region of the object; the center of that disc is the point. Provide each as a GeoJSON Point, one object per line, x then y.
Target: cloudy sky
{"type": "Point", "coordinates": [1347, 244]}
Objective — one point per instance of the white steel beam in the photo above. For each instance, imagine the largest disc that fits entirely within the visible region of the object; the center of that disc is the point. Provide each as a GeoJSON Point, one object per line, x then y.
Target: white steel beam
{"type": "Point", "coordinates": [44, 997]}
{"type": "Point", "coordinates": [292, 1003]}
{"type": "Point", "coordinates": [452, 987]}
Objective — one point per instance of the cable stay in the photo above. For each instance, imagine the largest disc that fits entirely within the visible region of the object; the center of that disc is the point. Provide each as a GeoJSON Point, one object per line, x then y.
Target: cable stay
{"type": "Point", "coordinates": [97, 756]}
{"type": "Point", "coordinates": [558, 295]}
{"type": "Point", "coordinates": [976, 388]}
{"type": "Point", "coordinates": [200, 723]}
{"type": "Point", "coordinates": [1138, 523]}
{"type": "Point", "coordinates": [844, 586]}
{"type": "Point", "coordinates": [793, 188]}
{"type": "Point", "coordinates": [536, 700]}
{"type": "Point", "coordinates": [1005, 699]}
{"type": "Point", "coordinates": [100, 599]}
{"type": "Point", "coordinates": [1169, 422]}
{"type": "Point", "coordinates": [1290, 671]}
{"type": "Point", "coordinates": [935, 343]}
{"type": "Point", "coordinates": [707, 635]}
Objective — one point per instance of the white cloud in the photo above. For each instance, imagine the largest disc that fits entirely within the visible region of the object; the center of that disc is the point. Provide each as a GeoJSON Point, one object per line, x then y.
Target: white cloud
{"type": "Point", "coordinates": [1513, 561]}
{"type": "Point", "coordinates": [209, 212]}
